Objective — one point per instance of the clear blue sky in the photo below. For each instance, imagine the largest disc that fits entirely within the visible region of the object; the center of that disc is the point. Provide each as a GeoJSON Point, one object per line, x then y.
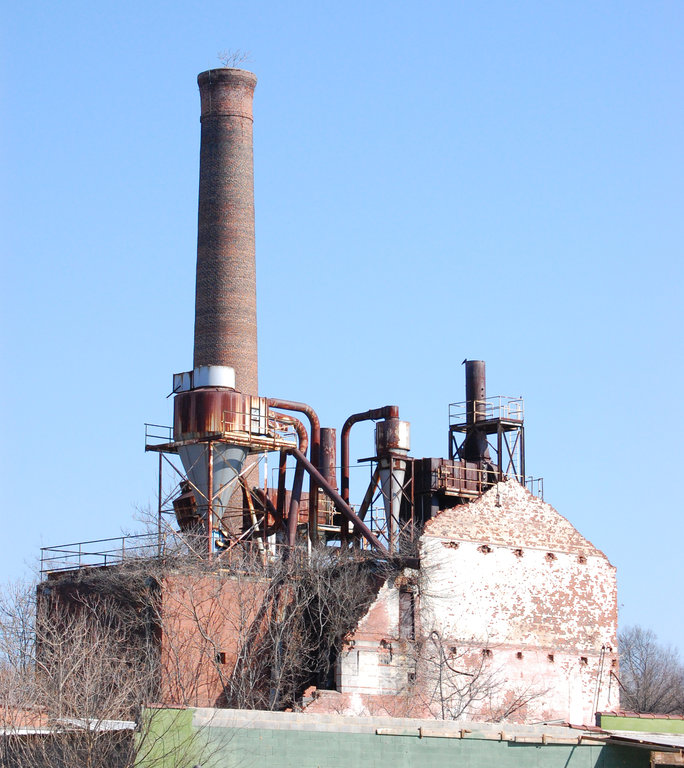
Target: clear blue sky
{"type": "Point", "coordinates": [433, 181]}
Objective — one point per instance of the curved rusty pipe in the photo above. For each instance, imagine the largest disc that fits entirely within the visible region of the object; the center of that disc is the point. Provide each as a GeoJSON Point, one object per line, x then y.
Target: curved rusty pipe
{"type": "Point", "coordinates": [295, 497]}
{"type": "Point", "coordinates": [374, 414]}
{"type": "Point", "coordinates": [291, 405]}
{"type": "Point", "coordinates": [314, 421]}
{"type": "Point", "coordinates": [300, 429]}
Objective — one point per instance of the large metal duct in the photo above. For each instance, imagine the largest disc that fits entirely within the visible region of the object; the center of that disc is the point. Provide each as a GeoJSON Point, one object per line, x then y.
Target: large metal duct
{"type": "Point", "coordinates": [225, 299]}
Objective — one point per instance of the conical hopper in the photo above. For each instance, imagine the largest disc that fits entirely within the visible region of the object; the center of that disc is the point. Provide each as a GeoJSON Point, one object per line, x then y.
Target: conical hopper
{"type": "Point", "coordinates": [392, 470]}
{"type": "Point", "coordinates": [228, 462]}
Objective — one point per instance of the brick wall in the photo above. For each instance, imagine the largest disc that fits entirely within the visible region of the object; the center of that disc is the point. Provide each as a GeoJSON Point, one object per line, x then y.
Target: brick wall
{"type": "Point", "coordinates": [509, 595]}
{"type": "Point", "coordinates": [206, 621]}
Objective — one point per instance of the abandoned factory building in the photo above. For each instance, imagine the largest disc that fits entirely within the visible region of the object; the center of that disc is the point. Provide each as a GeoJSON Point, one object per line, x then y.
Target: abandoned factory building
{"type": "Point", "coordinates": [449, 589]}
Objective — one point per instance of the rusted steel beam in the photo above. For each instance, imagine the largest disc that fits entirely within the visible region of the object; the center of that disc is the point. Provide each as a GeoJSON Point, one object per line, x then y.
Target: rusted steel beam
{"type": "Point", "coordinates": [370, 492]}
{"type": "Point", "coordinates": [267, 504]}
{"type": "Point", "coordinates": [340, 504]}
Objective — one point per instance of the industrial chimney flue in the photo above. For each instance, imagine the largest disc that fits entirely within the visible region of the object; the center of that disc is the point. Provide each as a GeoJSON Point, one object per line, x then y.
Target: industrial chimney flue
{"type": "Point", "coordinates": [225, 298]}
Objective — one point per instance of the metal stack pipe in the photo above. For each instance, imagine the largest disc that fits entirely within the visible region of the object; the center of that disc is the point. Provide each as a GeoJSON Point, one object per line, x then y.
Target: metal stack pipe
{"type": "Point", "coordinates": [475, 390]}
{"type": "Point", "coordinates": [475, 446]}
{"type": "Point", "coordinates": [328, 460]}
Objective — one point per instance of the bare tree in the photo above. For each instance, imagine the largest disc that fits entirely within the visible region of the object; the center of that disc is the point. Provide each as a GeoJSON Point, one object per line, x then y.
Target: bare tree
{"type": "Point", "coordinates": [651, 675]}
{"type": "Point", "coordinates": [74, 678]}
{"type": "Point", "coordinates": [453, 680]}
{"type": "Point", "coordinates": [257, 631]}
{"type": "Point", "coordinates": [233, 57]}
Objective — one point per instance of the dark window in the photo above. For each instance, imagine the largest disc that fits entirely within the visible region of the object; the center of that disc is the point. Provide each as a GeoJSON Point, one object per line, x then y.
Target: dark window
{"type": "Point", "coordinates": [385, 653]}
{"type": "Point", "coordinates": [407, 615]}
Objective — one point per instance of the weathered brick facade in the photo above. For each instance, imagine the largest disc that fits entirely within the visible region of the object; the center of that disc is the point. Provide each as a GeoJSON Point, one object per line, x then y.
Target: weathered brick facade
{"type": "Point", "coordinates": [206, 620]}
{"type": "Point", "coordinates": [515, 618]}
{"type": "Point", "coordinates": [225, 301]}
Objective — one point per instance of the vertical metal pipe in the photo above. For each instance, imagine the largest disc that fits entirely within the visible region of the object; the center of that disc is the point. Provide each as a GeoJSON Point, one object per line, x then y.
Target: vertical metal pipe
{"type": "Point", "coordinates": [282, 473]}
{"type": "Point", "coordinates": [159, 507]}
{"type": "Point", "coordinates": [210, 498]}
{"type": "Point", "coordinates": [290, 405]}
{"type": "Point", "coordinates": [329, 455]}
{"type": "Point", "coordinates": [293, 514]}
{"type": "Point", "coordinates": [299, 475]}
{"type": "Point", "coordinates": [476, 390]}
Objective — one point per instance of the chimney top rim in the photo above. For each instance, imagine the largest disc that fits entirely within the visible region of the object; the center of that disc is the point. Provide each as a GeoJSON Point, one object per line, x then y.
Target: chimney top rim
{"type": "Point", "coordinates": [226, 74]}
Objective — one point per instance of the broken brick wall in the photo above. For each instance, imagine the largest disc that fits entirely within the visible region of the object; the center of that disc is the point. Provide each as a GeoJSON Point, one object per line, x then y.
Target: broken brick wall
{"type": "Point", "coordinates": [516, 618]}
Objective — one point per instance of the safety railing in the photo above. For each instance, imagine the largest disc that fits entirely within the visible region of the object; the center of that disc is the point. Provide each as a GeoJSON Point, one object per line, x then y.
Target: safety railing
{"type": "Point", "coordinates": [497, 407]}
{"type": "Point", "coordinates": [535, 485]}
{"type": "Point", "coordinates": [460, 478]}
{"type": "Point", "coordinates": [466, 480]}
{"type": "Point", "coordinates": [157, 434]}
{"type": "Point", "coordinates": [105, 552]}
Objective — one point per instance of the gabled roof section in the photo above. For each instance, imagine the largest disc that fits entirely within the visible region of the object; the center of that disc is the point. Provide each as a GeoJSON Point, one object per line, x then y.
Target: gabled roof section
{"type": "Point", "coordinates": [509, 515]}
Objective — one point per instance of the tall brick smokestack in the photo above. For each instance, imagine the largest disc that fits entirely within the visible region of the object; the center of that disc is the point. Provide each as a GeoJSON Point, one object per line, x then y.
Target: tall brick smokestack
{"type": "Point", "coordinates": [225, 297]}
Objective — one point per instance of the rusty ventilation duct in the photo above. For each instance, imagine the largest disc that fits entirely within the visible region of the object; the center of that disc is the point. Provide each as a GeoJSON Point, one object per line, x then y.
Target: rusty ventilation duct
{"type": "Point", "coordinates": [220, 393]}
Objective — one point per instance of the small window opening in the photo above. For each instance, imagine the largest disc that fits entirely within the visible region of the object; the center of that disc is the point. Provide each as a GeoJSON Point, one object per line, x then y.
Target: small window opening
{"type": "Point", "coordinates": [584, 660]}
{"type": "Point", "coordinates": [551, 557]}
{"type": "Point", "coordinates": [582, 559]}
{"type": "Point", "coordinates": [518, 552]}
{"type": "Point", "coordinates": [385, 653]}
{"type": "Point", "coordinates": [484, 549]}
{"type": "Point", "coordinates": [487, 653]}
{"type": "Point", "coordinates": [518, 655]}
{"type": "Point", "coordinates": [221, 657]}
{"type": "Point", "coordinates": [407, 615]}
{"type": "Point", "coordinates": [411, 678]}
{"type": "Point", "coordinates": [550, 657]}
